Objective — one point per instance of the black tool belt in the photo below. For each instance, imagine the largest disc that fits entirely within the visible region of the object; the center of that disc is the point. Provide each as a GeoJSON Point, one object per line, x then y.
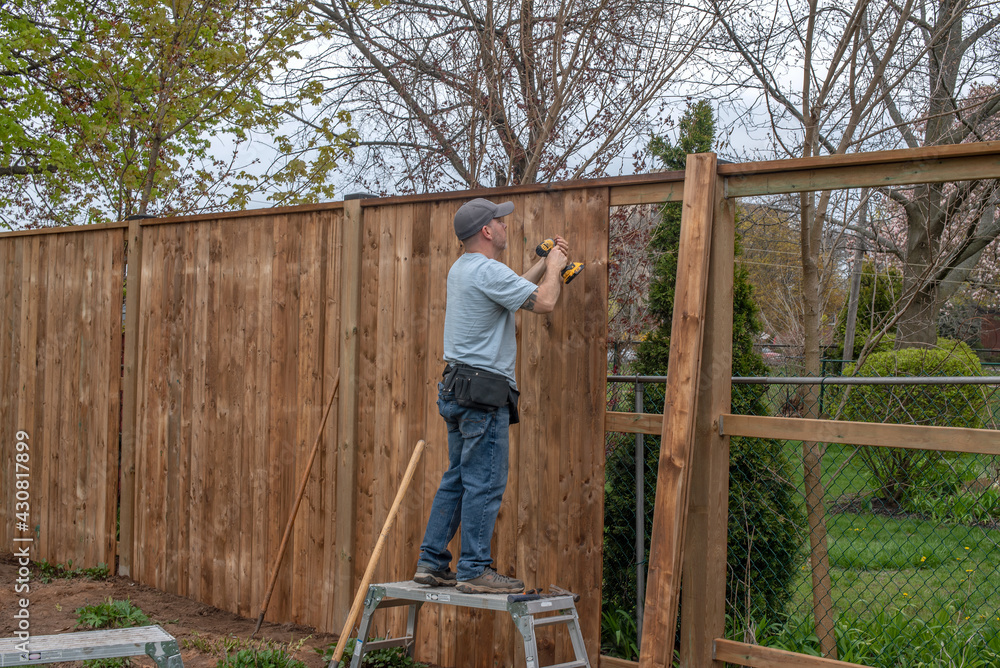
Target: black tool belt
{"type": "Point", "coordinates": [476, 388]}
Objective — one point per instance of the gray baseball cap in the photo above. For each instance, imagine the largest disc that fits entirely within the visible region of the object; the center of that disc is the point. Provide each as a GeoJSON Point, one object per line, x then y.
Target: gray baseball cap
{"type": "Point", "coordinates": [475, 214]}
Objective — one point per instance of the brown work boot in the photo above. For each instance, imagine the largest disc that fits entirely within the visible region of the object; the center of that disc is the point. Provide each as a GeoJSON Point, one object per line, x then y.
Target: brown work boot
{"type": "Point", "coordinates": [490, 582]}
{"type": "Point", "coordinates": [427, 576]}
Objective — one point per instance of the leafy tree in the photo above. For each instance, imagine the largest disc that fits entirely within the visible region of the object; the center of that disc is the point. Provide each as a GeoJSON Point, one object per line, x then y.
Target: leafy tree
{"type": "Point", "coordinates": [32, 47]}
{"type": "Point", "coordinates": [879, 76]}
{"type": "Point", "coordinates": [850, 62]}
{"type": "Point", "coordinates": [123, 108]}
{"type": "Point", "coordinates": [763, 516]}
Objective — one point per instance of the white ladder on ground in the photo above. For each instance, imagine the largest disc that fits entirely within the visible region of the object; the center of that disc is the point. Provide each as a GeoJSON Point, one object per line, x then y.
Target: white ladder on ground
{"type": "Point", "coordinates": [84, 645]}
{"type": "Point", "coordinates": [528, 612]}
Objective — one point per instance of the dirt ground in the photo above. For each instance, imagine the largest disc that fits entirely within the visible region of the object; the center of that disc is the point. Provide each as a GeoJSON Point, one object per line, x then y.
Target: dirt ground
{"type": "Point", "coordinates": [203, 632]}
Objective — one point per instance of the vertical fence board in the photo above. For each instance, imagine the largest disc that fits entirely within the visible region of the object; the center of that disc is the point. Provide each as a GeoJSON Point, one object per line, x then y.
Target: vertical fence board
{"type": "Point", "coordinates": [587, 304]}
{"type": "Point", "coordinates": [329, 456]}
{"type": "Point", "coordinates": [261, 554]}
{"type": "Point", "coordinates": [385, 476]}
{"type": "Point", "coordinates": [176, 475]}
{"type": "Point", "coordinates": [51, 345]}
{"type": "Point", "coordinates": [308, 372]}
{"type": "Point", "coordinates": [130, 374]}
{"type": "Point", "coordinates": [417, 389]}
{"type": "Point", "coordinates": [202, 458]}
{"type": "Point", "coordinates": [438, 622]}
{"type": "Point", "coordinates": [366, 467]}
{"type": "Point", "coordinates": [530, 442]}
{"type": "Point", "coordinates": [347, 424]}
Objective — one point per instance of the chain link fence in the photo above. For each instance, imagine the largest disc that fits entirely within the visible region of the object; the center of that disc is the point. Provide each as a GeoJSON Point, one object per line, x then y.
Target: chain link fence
{"type": "Point", "coordinates": [911, 557]}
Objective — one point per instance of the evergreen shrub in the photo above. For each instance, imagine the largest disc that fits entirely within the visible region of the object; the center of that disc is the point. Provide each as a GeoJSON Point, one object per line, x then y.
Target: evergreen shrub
{"type": "Point", "coordinates": [765, 517]}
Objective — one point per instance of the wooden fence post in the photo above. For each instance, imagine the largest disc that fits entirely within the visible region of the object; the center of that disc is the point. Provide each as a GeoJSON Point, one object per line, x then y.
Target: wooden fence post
{"type": "Point", "coordinates": [129, 409]}
{"type": "Point", "coordinates": [684, 370]}
{"type": "Point", "coordinates": [703, 616]}
{"type": "Point", "coordinates": [350, 281]}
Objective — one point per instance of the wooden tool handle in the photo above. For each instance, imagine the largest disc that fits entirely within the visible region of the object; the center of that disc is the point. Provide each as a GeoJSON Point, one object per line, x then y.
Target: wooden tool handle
{"type": "Point", "coordinates": [295, 508]}
{"type": "Point", "coordinates": [359, 598]}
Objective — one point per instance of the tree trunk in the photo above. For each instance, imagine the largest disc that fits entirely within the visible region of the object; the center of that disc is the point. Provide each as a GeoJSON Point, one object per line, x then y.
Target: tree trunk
{"type": "Point", "coordinates": [852, 304]}
{"type": "Point", "coordinates": [926, 222]}
{"type": "Point", "coordinates": [812, 453]}
{"type": "Point", "coordinates": [917, 326]}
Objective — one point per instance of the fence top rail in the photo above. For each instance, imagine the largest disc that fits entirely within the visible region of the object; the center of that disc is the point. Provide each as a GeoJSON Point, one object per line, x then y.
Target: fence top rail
{"type": "Point", "coordinates": [831, 380]}
{"type": "Point", "coordinates": [927, 153]}
{"type": "Point", "coordinates": [64, 228]}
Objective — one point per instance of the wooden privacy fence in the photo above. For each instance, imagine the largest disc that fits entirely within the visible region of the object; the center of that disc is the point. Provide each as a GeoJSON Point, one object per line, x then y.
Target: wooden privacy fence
{"type": "Point", "coordinates": [234, 325]}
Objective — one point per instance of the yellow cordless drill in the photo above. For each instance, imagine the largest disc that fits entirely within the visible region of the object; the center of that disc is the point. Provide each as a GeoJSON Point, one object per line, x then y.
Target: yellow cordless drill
{"type": "Point", "coordinates": [570, 271]}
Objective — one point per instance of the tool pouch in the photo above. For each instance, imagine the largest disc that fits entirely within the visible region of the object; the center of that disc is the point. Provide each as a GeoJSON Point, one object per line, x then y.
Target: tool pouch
{"type": "Point", "coordinates": [475, 388]}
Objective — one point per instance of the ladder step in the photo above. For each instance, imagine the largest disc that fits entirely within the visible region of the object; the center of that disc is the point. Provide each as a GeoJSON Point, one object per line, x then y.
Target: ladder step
{"type": "Point", "coordinates": [373, 645]}
{"type": "Point", "coordinates": [571, 664]}
{"type": "Point", "coordinates": [554, 619]}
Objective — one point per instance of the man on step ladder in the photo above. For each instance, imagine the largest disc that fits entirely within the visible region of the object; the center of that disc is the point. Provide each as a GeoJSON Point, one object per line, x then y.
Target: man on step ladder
{"type": "Point", "coordinates": [477, 396]}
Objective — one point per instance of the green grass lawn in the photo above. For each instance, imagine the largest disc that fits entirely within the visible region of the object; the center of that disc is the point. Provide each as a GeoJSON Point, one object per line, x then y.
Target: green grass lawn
{"type": "Point", "coordinates": [882, 563]}
{"type": "Point", "coordinates": [898, 571]}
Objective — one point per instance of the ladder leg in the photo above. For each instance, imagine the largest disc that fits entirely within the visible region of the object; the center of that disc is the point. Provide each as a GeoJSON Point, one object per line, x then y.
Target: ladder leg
{"type": "Point", "coordinates": [165, 654]}
{"type": "Point", "coordinates": [411, 627]}
{"type": "Point", "coordinates": [526, 625]}
{"type": "Point", "coordinates": [372, 601]}
{"type": "Point", "coordinates": [576, 636]}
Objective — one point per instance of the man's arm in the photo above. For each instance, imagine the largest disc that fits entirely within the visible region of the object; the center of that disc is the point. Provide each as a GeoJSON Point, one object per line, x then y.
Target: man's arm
{"type": "Point", "coordinates": [544, 298]}
{"type": "Point", "coordinates": [536, 272]}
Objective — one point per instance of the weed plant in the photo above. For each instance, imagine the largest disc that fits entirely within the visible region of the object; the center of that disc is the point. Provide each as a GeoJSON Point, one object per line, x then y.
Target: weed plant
{"type": "Point", "coordinates": [963, 508]}
{"type": "Point", "coordinates": [895, 638]}
{"type": "Point", "coordinates": [47, 572]}
{"type": "Point", "coordinates": [389, 657]}
{"type": "Point", "coordinates": [110, 614]}
{"type": "Point", "coordinates": [260, 658]}
{"type": "Point", "coordinates": [231, 644]}
{"type": "Point", "coordinates": [619, 635]}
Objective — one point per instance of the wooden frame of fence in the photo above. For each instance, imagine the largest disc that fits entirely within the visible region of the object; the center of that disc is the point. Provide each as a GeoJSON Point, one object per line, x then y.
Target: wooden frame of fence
{"type": "Point", "coordinates": [702, 489]}
{"type": "Point", "coordinates": [347, 316]}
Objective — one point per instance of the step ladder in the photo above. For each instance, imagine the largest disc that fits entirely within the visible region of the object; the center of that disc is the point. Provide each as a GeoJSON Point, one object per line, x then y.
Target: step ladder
{"type": "Point", "coordinates": [528, 612]}
{"type": "Point", "coordinates": [152, 641]}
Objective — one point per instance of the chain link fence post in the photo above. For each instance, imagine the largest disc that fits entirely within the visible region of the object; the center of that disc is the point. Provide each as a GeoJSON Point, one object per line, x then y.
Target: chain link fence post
{"type": "Point", "coordinates": [640, 517]}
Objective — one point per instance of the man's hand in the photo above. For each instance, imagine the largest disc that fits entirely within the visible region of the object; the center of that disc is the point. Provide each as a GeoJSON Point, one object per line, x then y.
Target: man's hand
{"type": "Point", "coordinates": [561, 243]}
{"type": "Point", "coordinates": [557, 258]}
{"type": "Point", "coordinates": [537, 270]}
{"type": "Point", "coordinates": [543, 300]}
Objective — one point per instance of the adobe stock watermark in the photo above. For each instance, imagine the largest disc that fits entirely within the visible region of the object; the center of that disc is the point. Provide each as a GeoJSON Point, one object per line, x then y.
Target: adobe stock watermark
{"type": "Point", "coordinates": [22, 537]}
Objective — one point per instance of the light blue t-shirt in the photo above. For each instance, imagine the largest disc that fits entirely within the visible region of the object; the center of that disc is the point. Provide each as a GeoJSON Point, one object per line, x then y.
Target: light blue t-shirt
{"type": "Point", "coordinates": [483, 295]}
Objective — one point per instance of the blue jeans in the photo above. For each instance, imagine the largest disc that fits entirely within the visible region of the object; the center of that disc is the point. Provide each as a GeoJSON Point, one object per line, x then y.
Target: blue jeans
{"type": "Point", "coordinates": [471, 489]}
